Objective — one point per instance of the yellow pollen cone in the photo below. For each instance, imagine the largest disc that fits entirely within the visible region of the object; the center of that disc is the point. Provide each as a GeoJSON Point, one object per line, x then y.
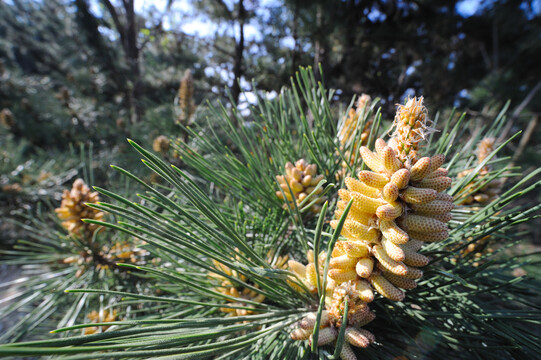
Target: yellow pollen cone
{"type": "Point", "coordinates": [394, 251]}
{"type": "Point", "coordinates": [392, 232]}
{"type": "Point", "coordinates": [436, 162]}
{"type": "Point", "coordinates": [385, 288]}
{"type": "Point", "coordinates": [439, 184]}
{"type": "Point", "coordinates": [429, 237]}
{"type": "Point", "coordinates": [370, 159]}
{"type": "Point", "coordinates": [354, 249]}
{"type": "Point", "coordinates": [364, 203]}
{"type": "Point", "coordinates": [390, 161]}
{"type": "Point", "coordinates": [341, 275]}
{"type": "Point", "coordinates": [389, 211]}
{"type": "Point", "coordinates": [364, 267]}
{"type": "Point", "coordinates": [437, 173]}
{"type": "Point", "coordinates": [413, 195]}
{"type": "Point", "coordinates": [400, 282]}
{"type": "Point", "coordinates": [301, 334]}
{"type": "Point", "coordinates": [357, 186]}
{"type": "Point", "coordinates": [389, 264]}
{"type": "Point", "coordinates": [372, 179]}
{"type": "Point", "coordinates": [356, 338]}
{"type": "Point", "coordinates": [413, 258]}
{"type": "Point", "coordinates": [390, 192]}
{"type": "Point", "coordinates": [347, 353]}
{"type": "Point", "coordinates": [421, 169]}
{"type": "Point", "coordinates": [344, 262]}
{"type": "Point", "coordinates": [424, 224]}
{"type": "Point", "coordinates": [326, 336]}
{"type": "Point", "coordinates": [401, 178]}
{"type": "Point", "coordinates": [436, 207]}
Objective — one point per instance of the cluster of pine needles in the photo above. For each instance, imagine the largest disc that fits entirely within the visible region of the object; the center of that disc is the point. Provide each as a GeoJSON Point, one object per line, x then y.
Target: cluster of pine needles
{"type": "Point", "coordinates": [298, 231]}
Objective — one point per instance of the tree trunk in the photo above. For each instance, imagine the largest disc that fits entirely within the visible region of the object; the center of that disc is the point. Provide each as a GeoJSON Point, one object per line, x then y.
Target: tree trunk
{"type": "Point", "coordinates": [239, 50]}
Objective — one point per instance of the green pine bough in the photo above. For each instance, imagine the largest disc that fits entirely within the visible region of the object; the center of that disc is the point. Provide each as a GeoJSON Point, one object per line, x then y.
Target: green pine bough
{"type": "Point", "coordinates": [216, 285]}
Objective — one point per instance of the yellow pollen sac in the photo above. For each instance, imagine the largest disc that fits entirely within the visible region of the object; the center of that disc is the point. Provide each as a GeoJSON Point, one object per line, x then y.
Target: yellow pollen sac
{"type": "Point", "coordinates": [311, 276]}
{"type": "Point", "coordinates": [389, 211]}
{"type": "Point", "coordinates": [413, 245]}
{"type": "Point", "coordinates": [354, 213]}
{"type": "Point", "coordinates": [400, 282]}
{"type": "Point", "coordinates": [326, 336]}
{"type": "Point", "coordinates": [437, 173]}
{"type": "Point", "coordinates": [436, 207]}
{"type": "Point", "coordinates": [443, 217]}
{"type": "Point", "coordinates": [347, 353]}
{"type": "Point", "coordinates": [429, 237]}
{"type": "Point", "coordinates": [444, 197]}
{"type": "Point", "coordinates": [390, 192]}
{"type": "Point", "coordinates": [364, 290]}
{"type": "Point", "coordinates": [370, 159]}
{"type": "Point", "coordinates": [436, 162]}
{"type": "Point", "coordinates": [309, 321]}
{"type": "Point", "coordinates": [298, 268]}
{"type": "Point", "coordinates": [358, 230]}
{"type": "Point", "coordinates": [364, 267]}
{"type": "Point", "coordinates": [357, 186]}
{"type": "Point", "coordinates": [385, 288]}
{"type": "Point", "coordinates": [341, 275]}
{"type": "Point", "coordinates": [354, 249]}
{"type": "Point", "coordinates": [390, 161]}
{"type": "Point", "coordinates": [413, 258]}
{"type": "Point", "coordinates": [356, 233]}
{"type": "Point", "coordinates": [372, 179]}
{"type": "Point", "coordinates": [413, 195]}
{"type": "Point", "coordinates": [344, 195]}
{"type": "Point", "coordinates": [296, 186]}
{"type": "Point", "coordinates": [380, 145]}
{"type": "Point", "coordinates": [356, 338]}
{"type": "Point", "coordinates": [392, 232]}
{"type": "Point", "coordinates": [401, 178]}
{"type": "Point", "coordinates": [344, 262]}
{"type": "Point", "coordinates": [439, 184]}
{"type": "Point", "coordinates": [413, 273]}
{"type": "Point", "coordinates": [301, 334]}
{"type": "Point", "coordinates": [361, 318]}
{"type": "Point", "coordinates": [421, 169]}
{"type": "Point", "coordinates": [389, 264]}
{"type": "Point", "coordinates": [306, 181]}
{"type": "Point", "coordinates": [424, 224]}
{"type": "Point", "coordinates": [364, 203]}
{"type": "Point", "coordinates": [394, 251]}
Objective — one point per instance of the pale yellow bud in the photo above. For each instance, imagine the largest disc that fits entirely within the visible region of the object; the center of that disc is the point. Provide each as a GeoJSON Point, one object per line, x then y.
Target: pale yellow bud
{"type": "Point", "coordinates": [364, 267]}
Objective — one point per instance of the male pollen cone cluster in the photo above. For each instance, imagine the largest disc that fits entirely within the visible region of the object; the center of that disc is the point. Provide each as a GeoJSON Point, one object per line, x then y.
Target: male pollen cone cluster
{"type": "Point", "coordinates": [490, 190]}
{"type": "Point", "coordinates": [96, 317]}
{"type": "Point", "coordinates": [347, 132]}
{"type": "Point", "coordinates": [73, 209]}
{"type": "Point", "coordinates": [229, 288]}
{"type": "Point", "coordinates": [397, 206]}
{"type": "Point", "coordinates": [161, 144]}
{"type": "Point", "coordinates": [359, 314]}
{"type": "Point", "coordinates": [299, 182]}
{"type": "Point", "coordinates": [185, 98]}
